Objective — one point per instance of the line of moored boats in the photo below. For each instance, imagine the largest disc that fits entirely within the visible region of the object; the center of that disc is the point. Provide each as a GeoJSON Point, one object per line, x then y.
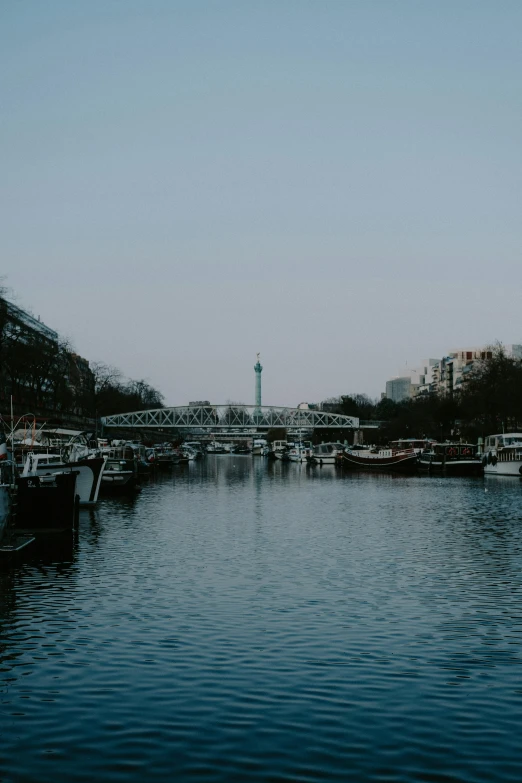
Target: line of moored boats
{"type": "Point", "coordinates": [46, 480]}
{"type": "Point", "coordinates": [500, 455]}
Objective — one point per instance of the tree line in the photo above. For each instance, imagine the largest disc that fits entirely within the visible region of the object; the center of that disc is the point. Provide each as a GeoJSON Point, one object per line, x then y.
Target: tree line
{"type": "Point", "coordinates": [115, 394]}
{"type": "Point", "coordinates": [489, 401]}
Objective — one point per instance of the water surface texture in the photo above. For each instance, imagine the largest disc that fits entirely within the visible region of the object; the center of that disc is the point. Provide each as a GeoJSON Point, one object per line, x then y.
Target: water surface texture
{"type": "Point", "coordinates": [242, 621]}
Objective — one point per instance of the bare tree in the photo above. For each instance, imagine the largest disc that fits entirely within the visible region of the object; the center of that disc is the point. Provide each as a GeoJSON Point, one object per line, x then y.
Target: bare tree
{"type": "Point", "coordinates": [105, 375]}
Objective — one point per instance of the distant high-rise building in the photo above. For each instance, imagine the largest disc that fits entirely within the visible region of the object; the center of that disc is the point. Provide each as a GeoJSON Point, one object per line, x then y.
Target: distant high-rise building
{"type": "Point", "coordinates": [398, 389]}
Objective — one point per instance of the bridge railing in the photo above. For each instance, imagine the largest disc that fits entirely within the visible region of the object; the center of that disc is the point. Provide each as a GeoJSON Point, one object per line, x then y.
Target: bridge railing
{"type": "Point", "coordinates": [231, 416]}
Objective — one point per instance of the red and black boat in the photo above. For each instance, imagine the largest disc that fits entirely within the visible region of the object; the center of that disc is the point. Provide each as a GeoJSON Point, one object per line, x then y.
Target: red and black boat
{"type": "Point", "coordinates": [390, 460]}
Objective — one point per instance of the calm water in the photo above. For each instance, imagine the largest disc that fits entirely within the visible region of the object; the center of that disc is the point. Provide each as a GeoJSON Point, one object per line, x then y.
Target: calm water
{"type": "Point", "coordinates": [243, 621]}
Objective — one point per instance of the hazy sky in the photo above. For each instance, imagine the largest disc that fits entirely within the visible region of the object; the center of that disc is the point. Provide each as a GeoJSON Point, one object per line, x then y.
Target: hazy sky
{"type": "Point", "coordinates": [334, 183]}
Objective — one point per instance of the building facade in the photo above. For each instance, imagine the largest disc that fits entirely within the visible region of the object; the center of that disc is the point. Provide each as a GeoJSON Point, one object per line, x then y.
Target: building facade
{"type": "Point", "coordinates": [37, 372]}
{"type": "Point", "coordinates": [442, 376]}
{"type": "Point", "coordinates": [399, 389]}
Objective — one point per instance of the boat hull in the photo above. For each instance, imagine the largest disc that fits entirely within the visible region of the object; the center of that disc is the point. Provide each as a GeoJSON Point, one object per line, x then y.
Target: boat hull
{"type": "Point", "coordinates": [327, 459]}
{"type": "Point", "coordinates": [464, 467]}
{"type": "Point", "coordinates": [43, 505]}
{"type": "Point", "coordinates": [88, 472]}
{"type": "Point", "coordinates": [513, 468]}
{"type": "Point", "coordinates": [5, 505]}
{"type": "Point", "coordinates": [396, 464]}
{"type": "Point", "coordinates": [119, 481]}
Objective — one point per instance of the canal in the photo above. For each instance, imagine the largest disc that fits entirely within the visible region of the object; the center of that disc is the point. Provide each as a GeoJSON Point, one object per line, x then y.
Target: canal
{"type": "Point", "coordinates": [248, 621]}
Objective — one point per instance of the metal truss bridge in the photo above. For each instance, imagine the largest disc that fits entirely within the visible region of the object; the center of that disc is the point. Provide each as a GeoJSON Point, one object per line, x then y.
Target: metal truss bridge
{"type": "Point", "coordinates": [231, 417]}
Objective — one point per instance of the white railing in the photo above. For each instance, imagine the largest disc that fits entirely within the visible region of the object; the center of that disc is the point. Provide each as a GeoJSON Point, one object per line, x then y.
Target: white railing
{"type": "Point", "coordinates": [226, 417]}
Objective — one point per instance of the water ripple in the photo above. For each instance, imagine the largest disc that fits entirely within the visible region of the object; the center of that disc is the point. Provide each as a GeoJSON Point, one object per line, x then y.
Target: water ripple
{"type": "Point", "coordinates": [242, 621]}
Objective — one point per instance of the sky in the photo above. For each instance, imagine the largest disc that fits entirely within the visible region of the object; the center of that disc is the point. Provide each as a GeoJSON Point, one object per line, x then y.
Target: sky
{"type": "Point", "coordinates": [335, 184]}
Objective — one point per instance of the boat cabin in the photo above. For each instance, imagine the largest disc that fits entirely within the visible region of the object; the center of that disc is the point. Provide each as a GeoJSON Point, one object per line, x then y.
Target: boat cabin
{"type": "Point", "coordinates": [513, 439]}
{"type": "Point", "coordinates": [453, 451]}
{"type": "Point", "coordinates": [322, 449]}
{"type": "Point", "coordinates": [281, 445]}
{"type": "Point", "coordinates": [35, 462]}
{"type": "Point", "coordinates": [417, 444]}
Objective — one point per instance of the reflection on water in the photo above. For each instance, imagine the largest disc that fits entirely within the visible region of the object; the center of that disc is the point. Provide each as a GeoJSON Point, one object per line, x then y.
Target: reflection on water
{"type": "Point", "coordinates": [244, 620]}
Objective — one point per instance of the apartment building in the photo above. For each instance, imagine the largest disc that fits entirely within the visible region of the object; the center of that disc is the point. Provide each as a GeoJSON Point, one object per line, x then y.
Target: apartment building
{"type": "Point", "coordinates": [442, 376]}
{"type": "Point", "coordinates": [411, 381]}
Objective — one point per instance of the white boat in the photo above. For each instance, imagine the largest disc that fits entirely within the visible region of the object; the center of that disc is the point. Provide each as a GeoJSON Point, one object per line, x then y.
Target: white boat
{"type": "Point", "coordinates": [89, 470]}
{"type": "Point", "coordinates": [216, 448]}
{"type": "Point", "coordinates": [190, 453]}
{"type": "Point", "coordinates": [503, 454]}
{"type": "Point", "coordinates": [326, 453]}
{"type": "Point", "coordinates": [300, 452]}
{"type": "Point", "coordinates": [259, 447]}
{"type": "Point", "coordinates": [195, 447]}
{"type": "Point", "coordinates": [280, 448]}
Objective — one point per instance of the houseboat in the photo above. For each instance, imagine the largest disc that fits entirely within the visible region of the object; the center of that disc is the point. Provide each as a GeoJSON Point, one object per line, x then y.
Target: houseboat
{"type": "Point", "coordinates": [390, 460]}
{"type": "Point", "coordinates": [417, 444]}
{"type": "Point", "coordinates": [452, 459]}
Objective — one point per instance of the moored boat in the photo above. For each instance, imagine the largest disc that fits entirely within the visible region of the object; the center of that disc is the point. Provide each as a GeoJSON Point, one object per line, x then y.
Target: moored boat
{"type": "Point", "coordinates": [5, 504]}
{"type": "Point", "coordinates": [217, 448]}
{"type": "Point", "coordinates": [195, 447]}
{"type": "Point", "coordinates": [326, 453]}
{"type": "Point", "coordinates": [89, 471]}
{"type": "Point", "coordinates": [452, 459]}
{"type": "Point", "coordinates": [417, 444]}
{"type": "Point", "coordinates": [503, 454]}
{"type": "Point", "coordinates": [47, 504]}
{"type": "Point", "coordinates": [398, 461]}
{"type": "Point", "coordinates": [280, 449]}
{"type": "Point", "coordinates": [259, 447]}
{"type": "Point", "coordinates": [5, 494]}
{"type": "Point", "coordinates": [190, 453]}
{"type": "Point", "coordinates": [121, 470]}
{"type": "Point", "coordinates": [242, 449]}
{"type": "Point", "coordinates": [300, 451]}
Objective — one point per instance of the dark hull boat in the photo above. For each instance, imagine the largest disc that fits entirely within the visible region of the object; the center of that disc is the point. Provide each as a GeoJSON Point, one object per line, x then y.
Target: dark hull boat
{"type": "Point", "coordinates": [451, 459]}
{"type": "Point", "coordinates": [120, 478]}
{"type": "Point", "coordinates": [5, 505]}
{"type": "Point", "coordinates": [384, 460]}
{"type": "Point", "coordinates": [121, 471]}
{"type": "Point", "coordinates": [88, 470]}
{"type": "Point", "coordinates": [47, 505]}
